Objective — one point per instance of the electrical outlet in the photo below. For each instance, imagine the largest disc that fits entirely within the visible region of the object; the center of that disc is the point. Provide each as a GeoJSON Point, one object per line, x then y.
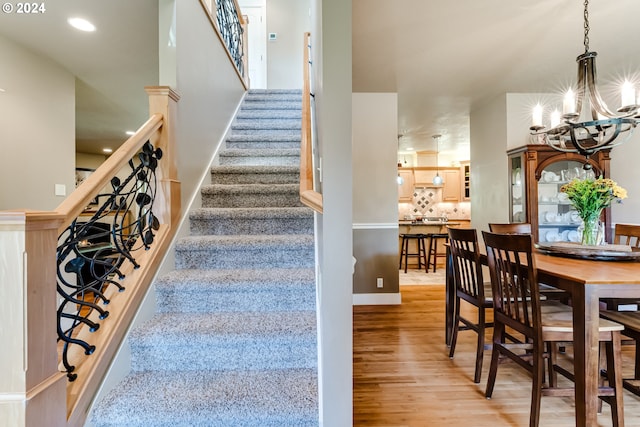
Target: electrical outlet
{"type": "Point", "coordinates": [380, 282]}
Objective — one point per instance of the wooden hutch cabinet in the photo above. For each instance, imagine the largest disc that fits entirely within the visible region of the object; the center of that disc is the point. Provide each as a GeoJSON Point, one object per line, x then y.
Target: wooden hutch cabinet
{"type": "Point", "coordinates": [536, 173]}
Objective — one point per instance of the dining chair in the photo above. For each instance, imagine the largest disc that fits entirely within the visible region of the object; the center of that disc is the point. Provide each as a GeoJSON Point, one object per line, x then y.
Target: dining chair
{"type": "Point", "coordinates": [550, 292]}
{"type": "Point", "coordinates": [517, 306]}
{"type": "Point", "coordinates": [471, 288]}
{"type": "Point", "coordinates": [627, 234]}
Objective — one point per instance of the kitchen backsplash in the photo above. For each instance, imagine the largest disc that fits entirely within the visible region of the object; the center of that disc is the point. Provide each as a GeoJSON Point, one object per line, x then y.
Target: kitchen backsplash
{"type": "Point", "coordinates": [427, 202]}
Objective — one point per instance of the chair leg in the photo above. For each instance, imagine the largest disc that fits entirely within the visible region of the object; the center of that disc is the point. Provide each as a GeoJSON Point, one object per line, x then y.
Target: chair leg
{"type": "Point", "coordinates": [551, 363]}
{"type": "Point", "coordinates": [456, 328]}
{"type": "Point", "coordinates": [536, 388]}
{"type": "Point", "coordinates": [637, 367]}
{"type": "Point", "coordinates": [406, 254]}
{"type": "Point", "coordinates": [498, 332]}
{"type": "Point", "coordinates": [614, 374]}
{"type": "Point", "coordinates": [480, 346]}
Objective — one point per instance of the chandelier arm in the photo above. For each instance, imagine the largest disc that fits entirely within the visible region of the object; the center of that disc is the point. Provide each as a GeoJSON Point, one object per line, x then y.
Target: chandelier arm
{"type": "Point", "coordinates": [597, 103]}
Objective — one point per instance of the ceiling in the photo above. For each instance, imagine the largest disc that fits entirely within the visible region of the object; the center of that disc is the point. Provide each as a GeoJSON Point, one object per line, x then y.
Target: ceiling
{"type": "Point", "coordinates": [444, 58]}
{"type": "Point", "coordinates": [112, 65]}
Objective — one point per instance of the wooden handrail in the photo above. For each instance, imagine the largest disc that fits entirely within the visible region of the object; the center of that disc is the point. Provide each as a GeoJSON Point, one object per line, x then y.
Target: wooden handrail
{"type": "Point", "coordinates": [308, 195]}
{"type": "Point", "coordinates": [73, 205]}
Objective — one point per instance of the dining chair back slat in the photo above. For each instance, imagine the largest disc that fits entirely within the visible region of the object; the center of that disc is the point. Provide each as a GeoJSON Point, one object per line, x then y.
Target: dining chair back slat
{"type": "Point", "coordinates": [510, 228]}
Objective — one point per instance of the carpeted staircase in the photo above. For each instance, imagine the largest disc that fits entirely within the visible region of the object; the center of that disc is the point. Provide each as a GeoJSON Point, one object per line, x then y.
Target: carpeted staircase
{"type": "Point", "coordinates": [233, 342]}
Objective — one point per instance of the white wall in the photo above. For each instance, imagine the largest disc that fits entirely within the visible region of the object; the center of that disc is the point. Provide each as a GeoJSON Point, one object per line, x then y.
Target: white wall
{"type": "Point", "coordinates": [289, 19]}
{"type": "Point", "coordinates": [625, 171]}
{"type": "Point", "coordinates": [331, 27]}
{"type": "Point", "coordinates": [375, 193]}
{"type": "Point", "coordinates": [37, 129]}
{"type": "Point", "coordinates": [489, 172]}
{"type": "Point", "coordinates": [210, 92]}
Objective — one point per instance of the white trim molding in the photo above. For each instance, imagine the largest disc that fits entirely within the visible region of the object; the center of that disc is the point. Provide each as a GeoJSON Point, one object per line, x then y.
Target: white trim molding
{"type": "Point", "coordinates": [377, 299]}
{"type": "Point", "coordinates": [374, 225]}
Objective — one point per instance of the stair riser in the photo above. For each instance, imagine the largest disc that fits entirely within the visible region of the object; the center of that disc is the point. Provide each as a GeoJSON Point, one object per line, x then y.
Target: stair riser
{"type": "Point", "coordinates": [269, 299]}
{"type": "Point", "coordinates": [254, 178]}
{"type": "Point", "coordinates": [246, 258]}
{"type": "Point", "coordinates": [270, 124]}
{"type": "Point", "coordinates": [269, 133]}
{"type": "Point", "coordinates": [248, 145]}
{"type": "Point", "coordinates": [249, 200]}
{"type": "Point", "coordinates": [259, 161]}
{"type": "Point", "coordinates": [258, 115]}
{"type": "Point", "coordinates": [245, 354]}
{"type": "Point", "coordinates": [220, 226]}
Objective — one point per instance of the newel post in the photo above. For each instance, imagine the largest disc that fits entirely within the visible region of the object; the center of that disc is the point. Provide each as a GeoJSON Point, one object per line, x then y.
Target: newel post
{"type": "Point", "coordinates": [32, 389]}
{"type": "Point", "coordinates": [163, 100]}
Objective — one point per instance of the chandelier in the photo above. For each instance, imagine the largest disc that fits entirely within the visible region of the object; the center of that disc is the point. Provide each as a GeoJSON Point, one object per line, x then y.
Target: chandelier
{"type": "Point", "coordinates": [603, 128]}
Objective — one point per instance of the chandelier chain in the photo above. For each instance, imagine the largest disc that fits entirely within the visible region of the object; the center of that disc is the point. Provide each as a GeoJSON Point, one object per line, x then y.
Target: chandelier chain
{"type": "Point", "coordinates": [586, 26]}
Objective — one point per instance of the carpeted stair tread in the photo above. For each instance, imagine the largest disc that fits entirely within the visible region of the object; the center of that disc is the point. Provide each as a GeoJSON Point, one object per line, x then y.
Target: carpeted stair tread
{"type": "Point", "coordinates": [256, 137]}
{"type": "Point", "coordinates": [261, 152]}
{"type": "Point", "coordinates": [271, 126]}
{"type": "Point", "coordinates": [255, 174]}
{"type": "Point", "coordinates": [234, 189]}
{"type": "Point", "coordinates": [197, 290]}
{"type": "Point", "coordinates": [251, 213]}
{"type": "Point", "coordinates": [260, 156]}
{"type": "Point", "coordinates": [204, 243]}
{"type": "Point", "coordinates": [270, 398]}
{"type": "Point", "coordinates": [269, 114]}
{"type": "Point", "coordinates": [183, 280]}
{"type": "Point", "coordinates": [181, 329]}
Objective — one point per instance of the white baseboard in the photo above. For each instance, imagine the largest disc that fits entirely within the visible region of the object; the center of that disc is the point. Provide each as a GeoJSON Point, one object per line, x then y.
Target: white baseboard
{"type": "Point", "coordinates": [377, 299]}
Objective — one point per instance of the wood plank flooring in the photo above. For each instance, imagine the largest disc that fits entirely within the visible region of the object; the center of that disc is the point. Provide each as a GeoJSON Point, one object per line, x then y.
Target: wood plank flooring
{"type": "Point", "coordinates": [403, 377]}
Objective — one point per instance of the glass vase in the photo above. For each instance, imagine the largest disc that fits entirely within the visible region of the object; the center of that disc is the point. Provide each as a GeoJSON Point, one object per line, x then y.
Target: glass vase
{"type": "Point", "coordinates": [592, 231]}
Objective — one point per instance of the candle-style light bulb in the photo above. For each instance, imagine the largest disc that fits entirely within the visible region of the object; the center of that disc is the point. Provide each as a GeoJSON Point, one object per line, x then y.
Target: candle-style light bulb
{"type": "Point", "coordinates": [536, 120]}
{"type": "Point", "coordinates": [628, 94]}
{"type": "Point", "coordinates": [569, 103]}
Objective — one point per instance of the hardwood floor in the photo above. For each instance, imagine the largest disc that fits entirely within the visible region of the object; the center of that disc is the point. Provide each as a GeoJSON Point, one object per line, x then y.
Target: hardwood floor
{"type": "Point", "coordinates": [403, 377]}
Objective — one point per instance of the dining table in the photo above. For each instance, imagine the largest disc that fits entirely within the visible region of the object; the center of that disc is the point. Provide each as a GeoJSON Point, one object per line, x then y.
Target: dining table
{"type": "Point", "coordinates": [586, 280]}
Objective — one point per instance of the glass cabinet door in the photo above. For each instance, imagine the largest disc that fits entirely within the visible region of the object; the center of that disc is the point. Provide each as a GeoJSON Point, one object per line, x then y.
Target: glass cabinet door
{"type": "Point", "coordinates": [557, 220]}
{"type": "Point", "coordinates": [517, 191]}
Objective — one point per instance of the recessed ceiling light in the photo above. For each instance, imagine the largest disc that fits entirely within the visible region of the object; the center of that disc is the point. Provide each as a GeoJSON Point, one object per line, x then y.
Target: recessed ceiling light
{"type": "Point", "coordinates": [2, 90]}
{"type": "Point", "coordinates": [107, 150]}
{"type": "Point", "coordinates": [130, 132]}
{"type": "Point", "coordinates": [81, 24]}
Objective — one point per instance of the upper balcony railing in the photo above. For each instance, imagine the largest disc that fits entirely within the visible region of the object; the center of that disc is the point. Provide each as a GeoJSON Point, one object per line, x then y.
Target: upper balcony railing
{"type": "Point", "coordinates": [231, 28]}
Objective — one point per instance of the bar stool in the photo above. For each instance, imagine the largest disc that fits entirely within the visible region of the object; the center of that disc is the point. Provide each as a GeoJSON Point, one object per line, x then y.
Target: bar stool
{"type": "Point", "coordinates": [433, 248]}
{"type": "Point", "coordinates": [420, 245]}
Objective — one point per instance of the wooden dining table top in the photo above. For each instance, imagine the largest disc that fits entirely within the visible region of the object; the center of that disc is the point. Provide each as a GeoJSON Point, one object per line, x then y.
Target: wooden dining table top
{"type": "Point", "coordinates": [589, 271]}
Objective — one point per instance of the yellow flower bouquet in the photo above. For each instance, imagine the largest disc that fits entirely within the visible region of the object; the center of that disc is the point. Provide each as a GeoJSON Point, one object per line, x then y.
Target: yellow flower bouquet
{"type": "Point", "coordinates": [589, 197]}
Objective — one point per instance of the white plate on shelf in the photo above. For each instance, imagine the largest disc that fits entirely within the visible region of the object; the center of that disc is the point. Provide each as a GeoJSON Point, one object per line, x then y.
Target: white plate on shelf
{"type": "Point", "coordinates": [549, 217]}
{"type": "Point", "coordinates": [552, 236]}
{"type": "Point", "coordinates": [573, 236]}
{"type": "Point", "coordinates": [564, 236]}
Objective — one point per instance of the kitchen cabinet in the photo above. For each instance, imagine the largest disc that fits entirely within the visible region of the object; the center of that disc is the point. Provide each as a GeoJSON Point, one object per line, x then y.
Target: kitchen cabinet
{"type": "Point", "coordinates": [405, 190]}
{"type": "Point", "coordinates": [536, 174]}
{"type": "Point", "coordinates": [465, 181]}
{"type": "Point", "coordinates": [424, 177]}
{"type": "Point", "coordinates": [451, 189]}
